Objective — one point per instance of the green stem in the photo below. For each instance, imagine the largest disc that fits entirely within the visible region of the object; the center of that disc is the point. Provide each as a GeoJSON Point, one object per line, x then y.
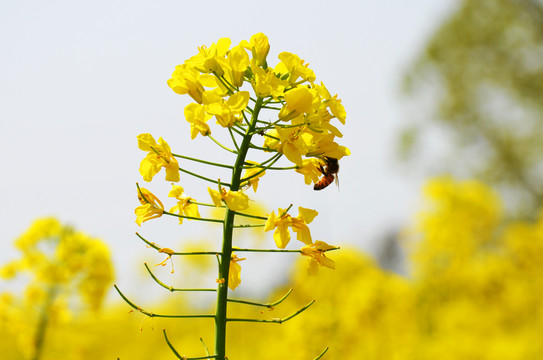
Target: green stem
{"type": "Point", "coordinates": [205, 204]}
{"type": "Point", "coordinates": [280, 250]}
{"type": "Point", "coordinates": [205, 347]}
{"type": "Point", "coordinates": [267, 305]}
{"type": "Point", "coordinates": [240, 129]}
{"type": "Point", "coordinates": [262, 148]}
{"type": "Point", "coordinates": [170, 345]}
{"type": "Point", "coordinates": [276, 321]}
{"type": "Point", "coordinates": [321, 354]}
{"type": "Point", "coordinates": [237, 131]}
{"type": "Point", "coordinates": [264, 168]}
{"type": "Point", "coordinates": [251, 216]}
{"type": "Point", "coordinates": [248, 226]}
{"type": "Point", "coordinates": [42, 324]}
{"type": "Point", "coordinates": [150, 314]}
{"type": "Point", "coordinates": [231, 88]}
{"type": "Point", "coordinates": [171, 288]}
{"type": "Point", "coordinates": [271, 108]}
{"type": "Point", "coordinates": [270, 159]}
{"type": "Point", "coordinates": [233, 139]}
{"type": "Point", "coordinates": [202, 177]}
{"type": "Point", "coordinates": [228, 229]}
{"type": "Point", "coordinates": [269, 250]}
{"type": "Point", "coordinates": [221, 145]}
{"type": "Point", "coordinates": [193, 218]}
{"type": "Point", "coordinates": [203, 161]}
{"type": "Point", "coordinates": [157, 247]}
{"type": "Point", "coordinates": [269, 167]}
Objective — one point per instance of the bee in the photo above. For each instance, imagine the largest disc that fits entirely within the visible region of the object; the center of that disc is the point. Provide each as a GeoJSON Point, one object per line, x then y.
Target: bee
{"type": "Point", "coordinates": [330, 168]}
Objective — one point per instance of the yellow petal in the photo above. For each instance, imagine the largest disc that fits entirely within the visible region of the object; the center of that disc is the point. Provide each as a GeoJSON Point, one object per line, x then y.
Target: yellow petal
{"type": "Point", "coordinates": [192, 210]}
{"type": "Point", "coordinates": [236, 200]}
{"type": "Point", "coordinates": [306, 215]}
{"type": "Point", "coordinates": [238, 101]}
{"type": "Point", "coordinates": [313, 267]}
{"type": "Point", "coordinates": [292, 153]}
{"type": "Point", "coordinates": [148, 168]}
{"type": "Point", "coordinates": [302, 232]}
{"type": "Point", "coordinates": [281, 236]}
{"type": "Point", "coordinates": [322, 246]}
{"type": "Point", "coordinates": [176, 191]}
{"type": "Point", "coordinates": [324, 261]}
{"type": "Point", "coordinates": [172, 170]}
{"type": "Point", "coordinates": [270, 223]}
{"type": "Point", "coordinates": [234, 275]}
{"type": "Point", "coordinates": [215, 196]}
{"type": "Point", "coordinates": [145, 141]}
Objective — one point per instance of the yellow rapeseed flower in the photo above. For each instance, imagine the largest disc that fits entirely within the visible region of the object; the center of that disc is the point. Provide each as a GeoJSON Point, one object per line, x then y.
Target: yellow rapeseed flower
{"type": "Point", "coordinates": [210, 59]}
{"type": "Point", "coordinates": [187, 80]}
{"type": "Point", "coordinates": [317, 257]}
{"type": "Point", "coordinates": [291, 64]}
{"type": "Point", "coordinates": [59, 257]}
{"type": "Point", "coordinates": [228, 111]}
{"type": "Point", "coordinates": [332, 103]}
{"type": "Point", "coordinates": [298, 101]}
{"type": "Point", "coordinates": [259, 46]}
{"type": "Point", "coordinates": [196, 115]}
{"type": "Point", "coordinates": [238, 62]}
{"type": "Point", "coordinates": [159, 156]}
{"type": "Point", "coordinates": [151, 207]}
{"type": "Point", "coordinates": [310, 169]}
{"type": "Point", "coordinates": [298, 224]}
{"type": "Point", "coordinates": [185, 205]}
{"type": "Point", "coordinates": [265, 83]}
{"type": "Point", "coordinates": [294, 143]}
{"type": "Point", "coordinates": [235, 200]}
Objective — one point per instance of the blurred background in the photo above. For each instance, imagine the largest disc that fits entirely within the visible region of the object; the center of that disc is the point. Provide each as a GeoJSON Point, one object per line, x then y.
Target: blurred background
{"type": "Point", "coordinates": [431, 88]}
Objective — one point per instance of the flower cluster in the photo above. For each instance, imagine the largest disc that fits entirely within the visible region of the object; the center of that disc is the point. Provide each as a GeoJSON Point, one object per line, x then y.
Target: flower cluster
{"type": "Point", "coordinates": [235, 85]}
{"type": "Point", "coordinates": [266, 112]}
{"type": "Point", "coordinates": [61, 265]}
{"type": "Point", "coordinates": [76, 260]}
{"type": "Point", "coordinates": [304, 127]}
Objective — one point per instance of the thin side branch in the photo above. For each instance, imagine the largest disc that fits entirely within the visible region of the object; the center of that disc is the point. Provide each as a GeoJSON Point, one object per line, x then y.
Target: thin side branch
{"type": "Point", "coordinates": [281, 250]}
{"type": "Point", "coordinates": [248, 226]}
{"type": "Point", "coordinates": [193, 218]}
{"type": "Point", "coordinates": [275, 321]}
{"type": "Point", "coordinates": [264, 168]}
{"type": "Point", "coordinates": [150, 314]}
{"type": "Point", "coordinates": [221, 145]}
{"type": "Point", "coordinates": [321, 354]}
{"type": "Point", "coordinates": [205, 346]}
{"type": "Point", "coordinates": [267, 305]}
{"type": "Point", "coordinates": [202, 177]}
{"type": "Point", "coordinates": [184, 357]}
{"type": "Point", "coordinates": [157, 247]}
{"type": "Point", "coordinates": [171, 288]}
{"type": "Point", "coordinates": [170, 345]}
{"type": "Point", "coordinates": [203, 161]}
{"type": "Point", "coordinates": [251, 216]}
{"type": "Point", "coordinates": [233, 140]}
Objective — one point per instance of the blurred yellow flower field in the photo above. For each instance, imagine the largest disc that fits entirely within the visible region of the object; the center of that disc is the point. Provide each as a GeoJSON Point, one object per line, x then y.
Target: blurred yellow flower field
{"type": "Point", "coordinates": [474, 291]}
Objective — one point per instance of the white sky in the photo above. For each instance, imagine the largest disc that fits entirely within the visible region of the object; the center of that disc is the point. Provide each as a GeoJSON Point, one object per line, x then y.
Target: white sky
{"type": "Point", "coordinates": [80, 80]}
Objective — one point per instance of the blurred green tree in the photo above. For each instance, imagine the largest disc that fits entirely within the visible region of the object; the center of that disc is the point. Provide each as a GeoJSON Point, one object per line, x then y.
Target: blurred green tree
{"type": "Point", "coordinates": [477, 93]}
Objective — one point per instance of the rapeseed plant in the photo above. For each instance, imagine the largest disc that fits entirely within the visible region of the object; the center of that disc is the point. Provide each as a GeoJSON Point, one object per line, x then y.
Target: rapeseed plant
{"type": "Point", "coordinates": [236, 86]}
{"type": "Point", "coordinates": [60, 262]}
